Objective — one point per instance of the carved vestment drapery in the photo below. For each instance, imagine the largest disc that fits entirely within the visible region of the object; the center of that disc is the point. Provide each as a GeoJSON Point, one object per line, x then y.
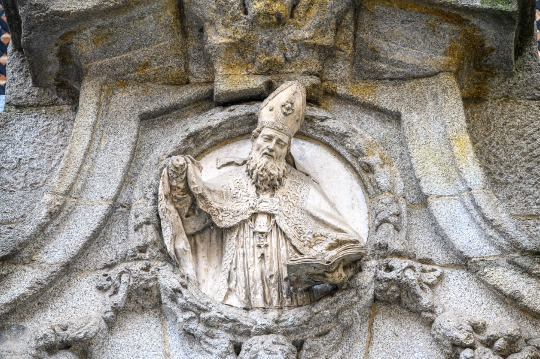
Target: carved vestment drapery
{"type": "Point", "coordinates": [300, 210]}
{"type": "Point", "coordinates": [263, 235]}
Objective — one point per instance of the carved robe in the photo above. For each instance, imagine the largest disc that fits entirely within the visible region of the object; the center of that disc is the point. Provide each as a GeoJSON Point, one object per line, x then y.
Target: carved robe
{"type": "Point", "coordinates": [237, 245]}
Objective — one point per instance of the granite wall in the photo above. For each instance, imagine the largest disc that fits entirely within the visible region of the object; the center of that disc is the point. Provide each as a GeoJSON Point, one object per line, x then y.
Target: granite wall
{"type": "Point", "coordinates": [431, 104]}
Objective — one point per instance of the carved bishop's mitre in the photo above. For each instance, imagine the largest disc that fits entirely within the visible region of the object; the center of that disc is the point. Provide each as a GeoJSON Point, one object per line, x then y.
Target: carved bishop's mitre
{"type": "Point", "coordinates": [284, 110]}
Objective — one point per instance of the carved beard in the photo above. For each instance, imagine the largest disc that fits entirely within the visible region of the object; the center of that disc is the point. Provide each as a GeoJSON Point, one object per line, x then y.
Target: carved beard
{"type": "Point", "coordinates": [266, 173]}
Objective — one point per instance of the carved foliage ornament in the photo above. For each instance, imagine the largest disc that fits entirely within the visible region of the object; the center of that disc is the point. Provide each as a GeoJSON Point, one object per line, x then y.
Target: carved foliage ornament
{"type": "Point", "coordinates": [269, 35]}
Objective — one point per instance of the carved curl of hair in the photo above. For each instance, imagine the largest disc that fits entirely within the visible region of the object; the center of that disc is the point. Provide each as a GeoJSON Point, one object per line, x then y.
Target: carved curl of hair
{"type": "Point", "coordinates": [255, 134]}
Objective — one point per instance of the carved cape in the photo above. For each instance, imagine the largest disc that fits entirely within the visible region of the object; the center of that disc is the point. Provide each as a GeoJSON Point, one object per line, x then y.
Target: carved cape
{"type": "Point", "coordinates": [302, 211]}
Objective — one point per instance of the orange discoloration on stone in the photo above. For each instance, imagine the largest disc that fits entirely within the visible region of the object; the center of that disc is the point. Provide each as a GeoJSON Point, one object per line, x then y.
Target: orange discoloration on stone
{"type": "Point", "coordinates": [270, 13]}
{"type": "Point", "coordinates": [363, 91]}
{"type": "Point", "coordinates": [444, 15]}
{"type": "Point", "coordinates": [143, 67]}
{"type": "Point", "coordinates": [462, 147]}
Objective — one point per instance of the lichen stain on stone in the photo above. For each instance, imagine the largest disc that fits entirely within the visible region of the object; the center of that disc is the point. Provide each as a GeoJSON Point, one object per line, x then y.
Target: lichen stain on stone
{"type": "Point", "coordinates": [446, 16]}
{"type": "Point", "coordinates": [101, 36]}
{"type": "Point", "coordinates": [176, 24]}
{"type": "Point", "coordinates": [270, 62]}
{"type": "Point", "coordinates": [237, 64]}
{"type": "Point", "coordinates": [175, 77]}
{"type": "Point", "coordinates": [462, 146]}
{"type": "Point", "coordinates": [436, 169]}
{"type": "Point", "coordinates": [468, 50]}
{"type": "Point", "coordinates": [270, 14]}
{"type": "Point", "coordinates": [506, 5]}
{"type": "Point", "coordinates": [465, 52]}
{"type": "Point", "coordinates": [161, 75]}
{"type": "Point", "coordinates": [325, 103]}
{"type": "Point", "coordinates": [364, 91]}
{"type": "Point", "coordinates": [145, 65]}
{"type": "Point", "coordinates": [476, 86]}
{"type": "Point", "coordinates": [68, 36]}
{"type": "Point", "coordinates": [63, 53]}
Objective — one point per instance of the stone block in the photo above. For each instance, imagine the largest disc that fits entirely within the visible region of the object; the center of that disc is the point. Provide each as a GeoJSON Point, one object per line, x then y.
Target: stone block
{"type": "Point", "coordinates": [135, 335]}
{"type": "Point", "coordinates": [397, 333]}
{"type": "Point", "coordinates": [460, 229]}
{"type": "Point", "coordinates": [462, 292]}
{"type": "Point", "coordinates": [505, 134]}
{"type": "Point", "coordinates": [83, 224]}
{"type": "Point", "coordinates": [516, 279]}
{"type": "Point", "coordinates": [74, 296]}
{"type": "Point", "coordinates": [33, 145]}
{"type": "Point", "coordinates": [233, 88]}
{"type": "Point", "coordinates": [19, 88]}
{"type": "Point", "coordinates": [427, 245]}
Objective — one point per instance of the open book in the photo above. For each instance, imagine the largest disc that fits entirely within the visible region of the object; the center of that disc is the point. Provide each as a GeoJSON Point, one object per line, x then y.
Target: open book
{"type": "Point", "coordinates": [305, 272]}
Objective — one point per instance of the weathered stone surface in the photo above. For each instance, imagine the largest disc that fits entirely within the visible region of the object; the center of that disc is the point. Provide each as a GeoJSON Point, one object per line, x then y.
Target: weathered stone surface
{"type": "Point", "coordinates": [505, 134]}
{"type": "Point", "coordinates": [477, 300]}
{"type": "Point", "coordinates": [14, 340]}
{"type": "Point", "coordinates": [396, 333]}
{"type": "Point", "coordinates": [459, 226]}
{"type": "Point", "coordinates": [521, 84]}
{"type": "Point", "coordinates": [134, 335]}
{"type": "Point", "coordinates": [429, 105]}
{"type": "Point", "coordinates": [517, 279]}
{"type": "Point", "coordinates": [19, 89]}
{"type": "Point", "coordinates": [32, 147]}
{"type": "Point", "coordinates": [425, 243]}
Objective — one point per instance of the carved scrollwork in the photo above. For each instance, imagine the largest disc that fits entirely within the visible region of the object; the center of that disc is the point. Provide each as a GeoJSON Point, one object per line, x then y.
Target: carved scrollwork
{"type": "Point", "coordinates": [409, 284]}
{"type": "Point", "coordinates": [116, 291]}
{"type": "Point", "coordinates": [468, 337]}
{"type": "Point", "coordinates": [67, 334]}
{"type": "Point", "coordinates": [218, 331]}
{"type": "Point", "coordinates": [268, 346]}
{"type": "Point", "coordinates": [380, 174]}
{"type": "Point", "coordinates": [388, 231]}
{"type": "Point", "coordinates": [66, 338]}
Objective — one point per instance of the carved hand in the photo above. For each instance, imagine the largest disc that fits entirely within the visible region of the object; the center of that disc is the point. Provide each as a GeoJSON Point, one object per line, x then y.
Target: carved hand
{"type": "Point", "coordinates": [177, 170]}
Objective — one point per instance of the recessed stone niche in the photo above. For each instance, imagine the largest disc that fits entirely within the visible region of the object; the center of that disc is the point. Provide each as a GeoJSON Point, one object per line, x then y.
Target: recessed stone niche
{"type": "Point", "coordinates": [419, 133]}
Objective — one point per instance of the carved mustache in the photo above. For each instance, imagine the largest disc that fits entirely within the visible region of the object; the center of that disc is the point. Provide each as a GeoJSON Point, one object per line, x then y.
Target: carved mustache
{"type": "Point", "coordinates": [266, 153]}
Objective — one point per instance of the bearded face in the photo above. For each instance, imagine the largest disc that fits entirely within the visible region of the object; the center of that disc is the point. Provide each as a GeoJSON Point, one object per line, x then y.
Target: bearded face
{"type": "Point", "coordinates": [266, 162]}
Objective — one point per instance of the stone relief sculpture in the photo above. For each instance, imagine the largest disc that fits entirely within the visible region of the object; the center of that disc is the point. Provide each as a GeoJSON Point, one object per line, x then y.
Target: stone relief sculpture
{"type": "Point", "coordinates": [263, 235]}
{"type": "Point", "coordinates": [114, 242]}
{"type": "Point", "coordinates": [256, 42]}
{"type": "Point", "coordinates": [271, 346]}
{"type": "Point", "coordinates": [410, 284]}
{"type": "Point", "coordinates": [469, 337]}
